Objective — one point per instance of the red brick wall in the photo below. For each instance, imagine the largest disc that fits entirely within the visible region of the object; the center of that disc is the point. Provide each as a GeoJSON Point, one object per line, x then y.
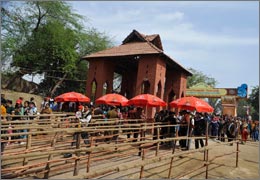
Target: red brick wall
{"type": "Point", "coordinates": [129, 82]}
{"type": "Point", "coordinates": [153, 69]}
{"type": "Point", "coordinates": [102, 70]}
{"type": "Point", "coordinates": [177, 81]}
{"type": "Point", "coordinates": [146, 70]}
{"type": "Point", "coordinates": [150, 67]}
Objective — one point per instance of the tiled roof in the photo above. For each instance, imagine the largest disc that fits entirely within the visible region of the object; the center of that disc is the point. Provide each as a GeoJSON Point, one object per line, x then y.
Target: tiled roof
{"type": "Point", "coordinates": [137, 44]}
{"type": "Point", "coordinates": [133, 48]}
{"type": "Point", "coordinates": [151, 37]}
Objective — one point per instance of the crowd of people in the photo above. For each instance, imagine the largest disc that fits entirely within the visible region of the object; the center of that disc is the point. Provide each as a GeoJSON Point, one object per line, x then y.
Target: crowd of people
{"type": "Point", "coordinates": [220, 127]}
{"type": "Point", "coordinates": [21, 110]}
{"type": "Point", "coordinates": [186, 123]}
{"type": "Point", "coordinates": [24, 107]}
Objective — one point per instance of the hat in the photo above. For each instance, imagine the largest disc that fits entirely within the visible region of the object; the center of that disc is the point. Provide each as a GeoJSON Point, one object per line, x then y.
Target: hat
{"type": "Point", "coordinates": [19, 101]}
{"type": "Point", "coordinates": [245, 125]}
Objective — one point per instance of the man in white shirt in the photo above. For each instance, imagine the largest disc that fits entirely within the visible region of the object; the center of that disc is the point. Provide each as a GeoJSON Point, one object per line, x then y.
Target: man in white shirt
{"type": "Point", "coordinates": [84, 118]}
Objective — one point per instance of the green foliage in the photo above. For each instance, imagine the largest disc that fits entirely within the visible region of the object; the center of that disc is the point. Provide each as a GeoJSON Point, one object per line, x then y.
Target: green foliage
{"type": "Point", "coordinates": [254, 101]}
{"type": "Point", "coordinates": [254, 97]}
{"type": "Point", "coordinates": [242, 108]}
{"type": "Point", "coordinates": [92, 41]}
{"type": "Point", "coordinates": [47, 37]}
{"type": "Point", "coordinates": [51, 48]}
{"type": "Point", "coordinates": [199, 77]}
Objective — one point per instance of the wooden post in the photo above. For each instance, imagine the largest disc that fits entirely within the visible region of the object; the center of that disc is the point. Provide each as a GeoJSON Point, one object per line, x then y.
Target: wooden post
{"type": "Point", "coordinates": [77, 161]}
{"type": "Point", "coordinates": [207, 164]}
{"type": "Point", "coordinates": [170, 169]}
{"type": "Point", "coordinates": [60, 126]}
{"type": "Point", "coordinates": [89, 155]}
{"type": "Point", "coordinates": [142, 167]}
{"type": "Point", "coordinates": [116, 148]}
{"type": "Point", "coordinates": [46, 174]}
{"type": "Point", "coordinates": [237, 154]}
{"type": "Point", "coordinates": [141, 139]}
{"type": "Point", "coordinates": [158, 143]}
{"type": "Point", "coordinates": [168, 129]}
{"type": "Point", "coordinates": [28, 146]}
{"type": "Point", "coordinates": [207, 136]}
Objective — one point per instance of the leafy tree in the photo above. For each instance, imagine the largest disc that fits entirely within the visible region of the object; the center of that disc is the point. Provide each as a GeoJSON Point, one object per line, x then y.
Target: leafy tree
{"type": "Point", "coordinates": [254, 101]}
{"type": "Point", "coordinates": [47, 37]}
{"type": "Point", "coordinates": [242, 108]}
{"type": "Point", "coordinates": [199, 77]}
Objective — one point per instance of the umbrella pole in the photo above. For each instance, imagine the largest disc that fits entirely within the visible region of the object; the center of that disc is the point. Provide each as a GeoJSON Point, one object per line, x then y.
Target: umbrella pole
{"type": "Point", "coordinates": [146, 111]}
{"type": "Point", "coordinates": [187, 141]}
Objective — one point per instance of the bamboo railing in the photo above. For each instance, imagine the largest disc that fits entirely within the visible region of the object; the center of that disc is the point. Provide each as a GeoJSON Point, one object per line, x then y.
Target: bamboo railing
{"type": "Point", "coordinates": [47, 140]}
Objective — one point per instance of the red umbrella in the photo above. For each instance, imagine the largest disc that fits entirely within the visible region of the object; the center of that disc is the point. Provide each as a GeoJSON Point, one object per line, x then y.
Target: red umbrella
{"type": "Point", "coordinates": [72, 97]}
{"type": "Point", "coordinates": [146, 100]}
{"type": "Point", "coordinates": [112, 99]}
{"type": "Point", "coordinates": [192, 103]}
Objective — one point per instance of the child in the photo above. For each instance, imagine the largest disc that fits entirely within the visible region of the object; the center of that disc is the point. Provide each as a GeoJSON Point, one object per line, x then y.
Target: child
{"type": "Point", "coordinates": [244, 133]}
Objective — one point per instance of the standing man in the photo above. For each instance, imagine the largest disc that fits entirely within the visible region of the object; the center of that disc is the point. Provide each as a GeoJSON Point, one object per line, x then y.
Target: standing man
{"type": "Point", "coordinates": [231, 130]}
{"type": "Point", "coordinates": [84, 121]}
{"type": "Point", "coordinates": [199, 129]}
{"type": "Point", "coordinates": [215, 126]}
{"type": "Point", "coordinates": [83, 117]}
{"type": "Point", "coordinates": [184, 130]}
{"type": "Point", "coordinates": [111, 114]}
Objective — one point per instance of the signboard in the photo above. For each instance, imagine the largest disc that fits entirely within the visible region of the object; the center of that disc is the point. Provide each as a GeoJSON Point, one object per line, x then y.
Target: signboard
{"type": "Point", "coordinates": [204, 91]}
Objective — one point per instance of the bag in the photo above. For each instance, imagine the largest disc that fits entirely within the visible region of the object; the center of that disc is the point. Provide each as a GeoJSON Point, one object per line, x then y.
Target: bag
{"type": "Point", "coordinates": [67, 155]}
{"type": "Point", "coordinates": [231, 129]}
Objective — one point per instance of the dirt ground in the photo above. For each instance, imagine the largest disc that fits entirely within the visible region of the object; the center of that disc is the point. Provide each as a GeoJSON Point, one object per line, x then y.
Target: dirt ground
{"type": "Point", "coordinates": [190, 166]}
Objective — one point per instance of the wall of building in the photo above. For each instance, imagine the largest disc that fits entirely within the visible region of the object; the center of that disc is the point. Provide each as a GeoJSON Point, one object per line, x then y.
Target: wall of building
{"type": "Point", "coordinates": [102, 71]}
{"type": "Point", "coordinates": [151, 68]}
{"type": "Point", "coordinates": [128, 83]}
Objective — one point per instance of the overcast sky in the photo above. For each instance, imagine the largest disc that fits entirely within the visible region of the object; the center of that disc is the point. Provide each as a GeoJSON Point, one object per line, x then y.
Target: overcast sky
{"type": "Point", "coordinates": [221, 39]}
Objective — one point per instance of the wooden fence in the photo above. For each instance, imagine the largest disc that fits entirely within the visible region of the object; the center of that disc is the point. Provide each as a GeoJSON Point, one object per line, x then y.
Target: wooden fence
{"type": "Point", "coordinates": [46, 139]}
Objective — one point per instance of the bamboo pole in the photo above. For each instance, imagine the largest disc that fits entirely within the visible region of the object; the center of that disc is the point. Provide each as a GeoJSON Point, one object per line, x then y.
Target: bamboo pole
{"type": "Point", "coordinates": [28, 146]}
{"type": "Point", "coordinates": [103, 148]}
{"type": "Point", "coordinates": [142, 167]}
{"type": "Point", "coordinates": [138, 163]}
{"type": "Point", "coordinates": [47, 167]}
{"type": "Point", "coordinates": [207, 164]}
{"type": "Point", "coordinates": [158, 143]}
{"type": "Point", "coordinates": [141, 139]}
{"type": "Point", "coordinates": [207, 151]}
{"type": "Point", "coordinates": [237, 153]}
{"type": "Point", "coordinates": [141, 164]}
{"type": "Point", "coordinates": [207, 136]}
{"type": "Point", "coordinates": [89, 155]}
{"type": "Point", "coordinates": [170, 169]}
{"type": "Point", "coordinates": [77, 160]}
{"type": "Point", "coordinates": [90, 149]}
